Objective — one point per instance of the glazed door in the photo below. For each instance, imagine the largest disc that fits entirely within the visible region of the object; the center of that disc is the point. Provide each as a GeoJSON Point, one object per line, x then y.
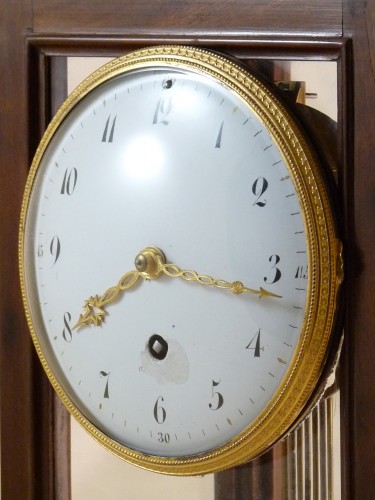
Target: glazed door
{"type": "Point", "coordinates": [36, 38]}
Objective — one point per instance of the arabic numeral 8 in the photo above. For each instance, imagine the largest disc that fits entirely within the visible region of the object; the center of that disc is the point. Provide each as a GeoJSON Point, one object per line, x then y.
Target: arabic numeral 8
{"type": "Point", "coordinates": [67, 331]}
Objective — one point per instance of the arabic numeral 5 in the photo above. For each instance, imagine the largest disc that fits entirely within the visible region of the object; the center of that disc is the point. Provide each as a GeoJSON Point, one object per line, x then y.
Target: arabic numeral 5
{"type": "Point", "coordinates": [217, 397]}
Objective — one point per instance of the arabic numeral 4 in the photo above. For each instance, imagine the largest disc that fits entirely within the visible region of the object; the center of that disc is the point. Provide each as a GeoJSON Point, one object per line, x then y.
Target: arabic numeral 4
{"type": "Point", "coordinates": [255, 345]}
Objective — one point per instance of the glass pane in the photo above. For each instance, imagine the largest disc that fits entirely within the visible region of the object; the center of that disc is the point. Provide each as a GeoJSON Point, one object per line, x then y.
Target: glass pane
{"type": "Point", "coordinates": [307, 463]}
{"type": "Point", "coordinates": [97, 474]}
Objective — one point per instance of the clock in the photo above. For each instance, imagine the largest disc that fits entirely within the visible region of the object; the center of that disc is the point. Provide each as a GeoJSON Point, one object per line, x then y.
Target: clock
{"type": "Point", "coordinates": [180, 262]}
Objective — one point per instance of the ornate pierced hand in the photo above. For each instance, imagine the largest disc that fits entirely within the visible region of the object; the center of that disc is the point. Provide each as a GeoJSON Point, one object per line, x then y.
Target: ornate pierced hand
{"type": "Point", "coordinates": [151, 264]}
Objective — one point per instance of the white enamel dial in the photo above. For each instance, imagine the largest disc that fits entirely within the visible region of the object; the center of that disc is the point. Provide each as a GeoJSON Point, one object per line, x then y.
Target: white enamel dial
{"type": "Point", "coordinates": [171, 158]}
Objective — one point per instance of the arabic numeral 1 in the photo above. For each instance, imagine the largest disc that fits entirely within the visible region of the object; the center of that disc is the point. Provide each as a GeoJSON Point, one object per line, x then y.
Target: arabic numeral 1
{"type": "Point", "coordinates": [105, 375]}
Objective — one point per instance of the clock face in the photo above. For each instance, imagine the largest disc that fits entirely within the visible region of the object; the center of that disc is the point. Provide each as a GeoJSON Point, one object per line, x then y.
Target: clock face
{"type": "Point", "coordinates": [169, 156]}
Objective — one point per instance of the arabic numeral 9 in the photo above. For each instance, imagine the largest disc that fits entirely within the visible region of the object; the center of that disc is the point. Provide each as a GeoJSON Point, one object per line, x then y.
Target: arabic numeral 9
{"type": "Point", "coordinates": [55, 248]}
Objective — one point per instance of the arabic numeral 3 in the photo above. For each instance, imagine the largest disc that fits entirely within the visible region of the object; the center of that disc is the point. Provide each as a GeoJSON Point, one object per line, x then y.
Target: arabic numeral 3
{"type": "Point", "coordinates": [275, 273]}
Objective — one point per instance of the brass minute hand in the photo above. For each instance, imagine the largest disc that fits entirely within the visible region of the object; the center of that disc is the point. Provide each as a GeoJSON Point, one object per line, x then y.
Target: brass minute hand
{"type": "Point", "coordinates": [236, 287]}
{"type": "Point", "coordinates": [151, 264]}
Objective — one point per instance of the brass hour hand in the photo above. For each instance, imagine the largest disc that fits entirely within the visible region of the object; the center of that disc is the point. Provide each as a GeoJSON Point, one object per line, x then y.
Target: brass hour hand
{"type": "Point", "coordinates": [147, 265]}
{"type": "Point", "coordinates": [94, 307]}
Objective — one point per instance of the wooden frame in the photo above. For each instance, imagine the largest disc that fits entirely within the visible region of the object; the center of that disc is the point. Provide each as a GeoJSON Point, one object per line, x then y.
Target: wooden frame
{"type": "Point", "coordinates": [35, 457]}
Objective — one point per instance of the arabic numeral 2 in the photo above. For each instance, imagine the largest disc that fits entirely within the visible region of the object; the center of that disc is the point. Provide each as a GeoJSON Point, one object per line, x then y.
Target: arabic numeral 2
{"type": "Point", "coordinates": [258, 189]}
